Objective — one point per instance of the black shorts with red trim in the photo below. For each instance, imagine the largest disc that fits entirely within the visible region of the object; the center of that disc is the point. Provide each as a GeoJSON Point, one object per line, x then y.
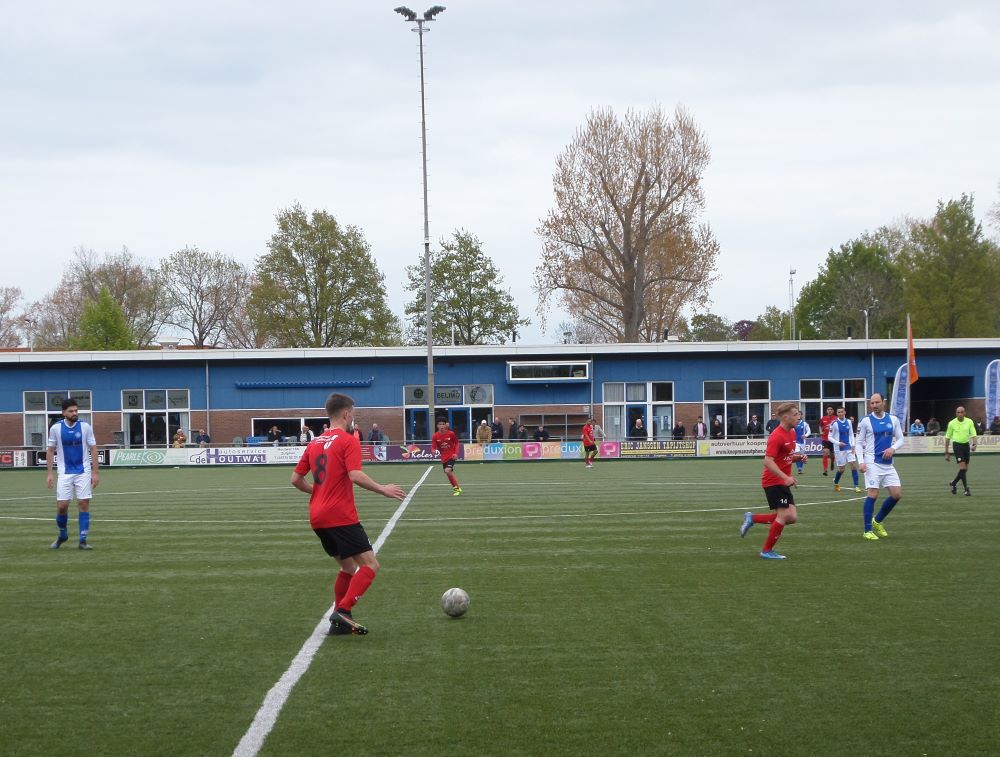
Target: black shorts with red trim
{"type": "Point", "coordinates": [590, 447]}
{"type": "Point", "coordinates": [778, 496]}
{"type": "Point", "coordinates": [448, 464]}
{"type": "Point", "coordinates": [344, 541]}
{"type": "Point", "coordinates": [827, 444]}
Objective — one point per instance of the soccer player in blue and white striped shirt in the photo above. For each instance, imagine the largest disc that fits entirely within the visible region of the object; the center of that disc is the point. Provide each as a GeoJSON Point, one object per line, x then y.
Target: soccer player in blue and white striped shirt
{"type": "Point", "coordinates": [879, 437]}
{"type": "Point", "coordinates": [75, 449]}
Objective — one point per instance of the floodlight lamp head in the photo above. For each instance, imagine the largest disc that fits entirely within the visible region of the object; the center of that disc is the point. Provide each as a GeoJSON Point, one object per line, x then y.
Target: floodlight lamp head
{"type": "Point", "coordinates": [431, 12]}
{"type": "Point", "coordinates": [408, 14]}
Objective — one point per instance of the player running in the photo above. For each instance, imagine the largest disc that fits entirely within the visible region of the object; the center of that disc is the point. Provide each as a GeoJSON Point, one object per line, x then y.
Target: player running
{"type": "Point", "coordinates": [802, 432]}
{"type": "Point", "coordinates": [445, 442]}
{"type": "Point", "coordinates": [842, 440]}
{"type": "Point", "coordinates": [825, 422]}
{"type": "Point", "coordinates": [879, 436]}
{"type": "Point", "coordinates": [589, 444]}
{"type": "Point", "coordinates": [777, 480]}
{"type": "Point", "coordinates": [334, 458]}
{"type": "Point", "coordinates": [78, 474]}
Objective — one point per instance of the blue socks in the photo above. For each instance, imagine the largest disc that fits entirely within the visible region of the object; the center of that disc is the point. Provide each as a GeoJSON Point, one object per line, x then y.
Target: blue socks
{"type": "Point", "coordinates": [836, 479]}
{"type": "Point", "coordinates": [854, 473]}
{"type": "Point", "coordinates": [61, 520]}
{"type": "Point", "coordinates": [869, 508]}
{"type": "Point", "coordinates": [887, 504]}
{"type": "Point", "coordinates": [84, 525]}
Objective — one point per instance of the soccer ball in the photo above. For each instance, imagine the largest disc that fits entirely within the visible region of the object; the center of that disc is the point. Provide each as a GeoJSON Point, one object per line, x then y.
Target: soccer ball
{"type": "Point", "coordinates": [455, 602]}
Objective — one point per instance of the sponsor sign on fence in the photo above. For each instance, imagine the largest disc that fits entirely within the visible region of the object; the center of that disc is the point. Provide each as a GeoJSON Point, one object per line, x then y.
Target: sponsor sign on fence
{"type": "Point", "coordinates": [683, 448]}
{"type": "Point", "coordinates": [732, 447]}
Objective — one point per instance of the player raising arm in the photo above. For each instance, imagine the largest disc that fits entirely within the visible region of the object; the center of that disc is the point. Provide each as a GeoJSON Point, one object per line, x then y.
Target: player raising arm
{"type": "Point", "coordinates": [879, 436]}
{"type": "Point", "coordinates": [335, 462]}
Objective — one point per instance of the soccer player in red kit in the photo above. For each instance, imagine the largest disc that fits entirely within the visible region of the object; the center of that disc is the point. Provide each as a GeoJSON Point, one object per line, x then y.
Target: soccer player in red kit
{"type": "Point", "coordinates": [334, 458]}
{"type": "Point", "coordinates": [589, 443]}
{"type": "Point", "coordinates": [824, 426]}
{"type": "Point", "coordinates": [777, 480]}
{"type": "Point", "coordinates": [445, 442]}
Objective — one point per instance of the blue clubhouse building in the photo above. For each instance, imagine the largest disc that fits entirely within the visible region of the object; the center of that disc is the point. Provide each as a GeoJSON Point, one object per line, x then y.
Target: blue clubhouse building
{"type": "Point", "coordinates": [140, 398]}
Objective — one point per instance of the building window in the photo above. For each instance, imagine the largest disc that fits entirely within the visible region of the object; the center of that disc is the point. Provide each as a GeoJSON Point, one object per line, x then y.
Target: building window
{"type": "Point", "coordinates": [42, 409]}
{"type": "Point", "coordinates": [733, 403]}
{"type": "Point", "coordinates": [815, 395]}
{"type": "Point", "coordinates": [539, 371]}
{"type": "Point", "coordinates": [151, 417]}
{"type": "Point", "coordinates": [650, 401]}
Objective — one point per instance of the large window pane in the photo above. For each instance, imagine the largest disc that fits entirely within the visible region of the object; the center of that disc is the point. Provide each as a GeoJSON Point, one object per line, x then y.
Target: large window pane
{"type": "Point", "coordinates": [132, 400]}
{"type": "Point", "coordinates": [812, 411]}
{"type": "Point", "coordinates": [663, 391]}
{"type": "Point", "coordinates": [715, 412]}
{"type": "Point", "coordinates": [34, 402]}
{"type": "Point", "coordinates": [760, 390]}
{"type": "Point", "coordinates": [635, 392]}
{"type": "Point", "coordinates": [54, 400]}
{"type": "Point", "coordinates": [736, 420]}
{"type": "Point", "coordinates": [156, 399]}
{"type": "Point", "coordinates": [177, 399]}
{"type": "Point", "coordinates": [613, 421]}
{"type": "Point", "coordinates": [714, 390]}
{"type": "Point", "coordinates": [809, 389]}
{"type": "Point", "coordinates": [833, 390]}
{"type": "Point", "coordinates": [82, 397]}
{"type": "Point", "coordinates": [614, 393]}
{"type": "Point", "coordinates": [156, 429]}
{"type": "Point", "coordinates": [663, 421]}
{"type": "Point", "coordinates": [36, 430]}
{"type": "Point", "coordinates": [736, 390]}
{"type": "Point", "coordinates": [854, 388]}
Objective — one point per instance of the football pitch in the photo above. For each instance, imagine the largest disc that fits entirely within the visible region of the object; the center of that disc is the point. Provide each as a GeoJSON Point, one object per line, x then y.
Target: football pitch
{"type": "Point", "coordinates": [614, 611]}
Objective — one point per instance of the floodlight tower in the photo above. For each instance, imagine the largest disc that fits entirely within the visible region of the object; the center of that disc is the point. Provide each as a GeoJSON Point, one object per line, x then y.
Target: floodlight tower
{"type": "Point", "coordinates": [428, 16]}
{"type": "Point", "coordinates": [791, 302]}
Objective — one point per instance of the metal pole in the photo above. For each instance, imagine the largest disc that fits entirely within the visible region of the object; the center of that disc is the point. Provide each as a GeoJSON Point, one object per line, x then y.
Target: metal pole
{"type": "Point", "coordinates": [427, 243]}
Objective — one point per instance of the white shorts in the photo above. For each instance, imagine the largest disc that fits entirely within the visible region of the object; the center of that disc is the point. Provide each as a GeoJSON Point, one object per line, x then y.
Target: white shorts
{"type": "Point", "coordinates": [69, 483]}
{"type": "Point", "coordinates": [881, 476]}
{"type": "Point", "coordinates": [844, 456]}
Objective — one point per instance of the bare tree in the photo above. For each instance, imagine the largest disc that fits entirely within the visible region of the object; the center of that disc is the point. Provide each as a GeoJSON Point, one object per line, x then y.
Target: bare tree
{"type": "Point", "coordinates": [200, 289]}
{"type": "Point", "coordinates": [53, 319]}
{"type": "Point", "coordinates": [245, 327]}
{"type": "Point", "coordinates": [11, 324]}
{"type": "Point", "coordinates": [130, 282]}
{"type": "Point", "coordinates": [623, 247]}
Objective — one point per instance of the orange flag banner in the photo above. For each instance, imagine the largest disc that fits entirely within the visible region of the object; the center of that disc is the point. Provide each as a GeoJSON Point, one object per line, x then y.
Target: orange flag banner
{"type": "Point", "coordinates": [911, 356]}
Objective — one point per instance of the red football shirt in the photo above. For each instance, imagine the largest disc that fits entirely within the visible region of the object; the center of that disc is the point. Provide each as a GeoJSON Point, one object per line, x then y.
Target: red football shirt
{"type": "Point", "coordinates": [331, 457]}
{"type": "Point", "coordinates": [780, 446]}
{"type": "Point", "coordinates": [446, 443]}
{"type": "Point", "coordinates": [588, 436]}
{"type": "Point", "coordinates": [824, 425]}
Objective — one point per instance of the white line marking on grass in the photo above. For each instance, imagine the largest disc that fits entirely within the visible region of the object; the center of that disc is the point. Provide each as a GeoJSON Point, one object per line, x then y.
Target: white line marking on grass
{"type": "Point", "coordinates": [267, 715]}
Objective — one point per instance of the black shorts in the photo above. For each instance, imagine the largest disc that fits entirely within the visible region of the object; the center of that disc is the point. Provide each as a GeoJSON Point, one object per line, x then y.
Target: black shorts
{"type": "Point", "coordinates": [344, 541]}
{"type": "Point", "coordinates": [827, 444]}
{"type": "Point", "coordinates": [962, 452]}
{"type": "Point", "coordinates": [590, 447]}
{"type": "Point", "coordinates": [778, 496]}
{"type": "Point", "coordinates": [448, 464]}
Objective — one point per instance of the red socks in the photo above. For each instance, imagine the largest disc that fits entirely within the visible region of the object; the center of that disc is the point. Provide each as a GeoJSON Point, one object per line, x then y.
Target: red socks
{"type": "Point", "coordinates": [340, 587]}
{"type": "Point", "coordinates": [772, 536]}
{"type": "Point", "coordinates": [454, 481]}
{"type": "Point", "coordinates": [764, 517]}
{"type": "Point", "coordinates": [358, 586]}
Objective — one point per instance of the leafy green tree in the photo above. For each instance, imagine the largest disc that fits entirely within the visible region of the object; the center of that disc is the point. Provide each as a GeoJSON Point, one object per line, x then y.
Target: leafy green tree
{"type": "Point", "coordinates": [466, 292]}
{"type": "Point", "coordinates": [319, 285]}
{"type": "Point", "coordinates": [863, 274]}
{"type": "Point", "coordinates": [709, 327]}
{"type": "Point", "coordinates": [103, 326]}
{"type": "Point", "coordinates": [952, 274]}
{"type": "Point", "coordinates": [769, 326]}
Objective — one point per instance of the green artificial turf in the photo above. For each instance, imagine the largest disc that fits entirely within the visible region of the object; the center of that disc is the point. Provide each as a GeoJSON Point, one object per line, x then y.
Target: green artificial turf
{"type": "Point", "coordinates": [614, 611]}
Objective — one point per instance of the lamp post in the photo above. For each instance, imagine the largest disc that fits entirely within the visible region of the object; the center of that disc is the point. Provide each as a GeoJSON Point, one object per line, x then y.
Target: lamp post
{"type": "Point", "coordinates": [428, 16]}
{"type": "Point", "coordinates": [791, 303]}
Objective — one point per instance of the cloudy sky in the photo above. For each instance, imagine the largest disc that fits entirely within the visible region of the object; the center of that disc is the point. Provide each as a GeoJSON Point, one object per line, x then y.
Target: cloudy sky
{"type": "Point", "coordinates": [158, 125]}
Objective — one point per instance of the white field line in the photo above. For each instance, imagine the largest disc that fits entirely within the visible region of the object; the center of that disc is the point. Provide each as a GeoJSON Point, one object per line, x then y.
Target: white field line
{"type": "Point", "coordinates": [267, 715]}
